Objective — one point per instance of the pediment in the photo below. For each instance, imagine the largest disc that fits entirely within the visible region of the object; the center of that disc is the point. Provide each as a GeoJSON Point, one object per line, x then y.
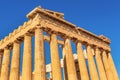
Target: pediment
{"type": "Point", "coordinates": [39, 9]}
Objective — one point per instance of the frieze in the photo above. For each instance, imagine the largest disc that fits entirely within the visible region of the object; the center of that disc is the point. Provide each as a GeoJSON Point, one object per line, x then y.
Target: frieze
{"type": "Point", "coordinates": [81, 36]}
{"type": "Point", "coordinates": [8, 40]}
{"type": "Point", "coordinates": [58, 25]}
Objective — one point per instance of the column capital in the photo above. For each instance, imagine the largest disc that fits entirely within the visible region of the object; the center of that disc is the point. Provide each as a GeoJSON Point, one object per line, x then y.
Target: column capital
{"type": "Point", "coordinates": [99, 49]}
{"type": "Point", "coordinates": [104, 51]}
{"type": "Point", "coordinates": [29, 33]}
{"type": "Point", "coordinates": [66, 37]}
{"type": "Point", "coordinates": [77, 41]}
{"type": "Point", "coordinates": [18, 40]}
{"type": "Point", "coordinates": [8, 47]}
{"type": "Point", "coordinates": [39, 27]}
{"type": "Point", "coordinates": [87, 44]}
{"type": "Point", "coordinates": [52, 32]}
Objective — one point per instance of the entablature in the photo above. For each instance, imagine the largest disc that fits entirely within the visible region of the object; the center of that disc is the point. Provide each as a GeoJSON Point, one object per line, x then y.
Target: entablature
{"type": "Point", "coordinates": [49, 22]}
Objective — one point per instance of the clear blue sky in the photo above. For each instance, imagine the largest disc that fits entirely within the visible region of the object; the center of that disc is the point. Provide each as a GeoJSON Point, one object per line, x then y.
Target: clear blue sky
{"type": "Point", "coordinates": [97, 16]}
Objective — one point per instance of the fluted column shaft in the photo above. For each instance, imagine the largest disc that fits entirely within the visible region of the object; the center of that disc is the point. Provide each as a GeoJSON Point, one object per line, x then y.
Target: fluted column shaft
{"type": "Point", "coordinates": [14, 73]}
{"type": "Point", "coordinates": [100, 65]}
{"type": "Point", "coordinates": [91, 63]}
{"type": "Point", "coordinates": [82, 63]}
{"type": "Point", "coordinates": [64, 64]}
{"type": "Point", "coordinates": [107, 66]}
{"type": "Point", "coordinates": [71, 70]}
{"type": "Point", "coordinates": [0, 62]}
{"type": "Point", "coordinates": [55, 59]}
{"type": "Point", "coordinates": [40, 66]}
{"type": "Point", "coordinates": [5, 65]}
{"type": "Point", "coordinates": [112, 67]}
{"type": "Point", "coordinates": [27, 59]}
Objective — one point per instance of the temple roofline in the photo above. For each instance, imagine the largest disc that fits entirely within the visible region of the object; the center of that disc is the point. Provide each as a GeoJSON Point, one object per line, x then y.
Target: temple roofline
{"type": "Point", "coordinates": [46, 12]}
{"type": "Point", "coordinates": [40, 9]}
{"type": "Point", "coordinates": [18, 33]}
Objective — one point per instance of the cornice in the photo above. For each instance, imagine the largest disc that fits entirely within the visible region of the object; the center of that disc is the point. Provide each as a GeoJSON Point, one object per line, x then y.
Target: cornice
{"type": "Point", "coordinates": [40, 18]}
{"type": "Point", "coordinates": [42, 11]}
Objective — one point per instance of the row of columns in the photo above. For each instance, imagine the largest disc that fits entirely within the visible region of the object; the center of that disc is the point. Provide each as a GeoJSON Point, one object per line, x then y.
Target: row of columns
{"type": "Point", "coordinates": [105, 68]}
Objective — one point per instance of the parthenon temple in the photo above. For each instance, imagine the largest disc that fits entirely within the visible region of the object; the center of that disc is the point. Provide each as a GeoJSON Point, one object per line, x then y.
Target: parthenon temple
{"type": "Point", "coordinates": [74, 53]}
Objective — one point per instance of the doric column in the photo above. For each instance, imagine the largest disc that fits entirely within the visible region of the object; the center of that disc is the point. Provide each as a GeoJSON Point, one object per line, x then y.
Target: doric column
{"type": "Point", "coordinates": [100, 65]}
{"type": "Point", "coordinates": [5, 65]}
{"type": "Point", "coordinates": [40, 66]}
{"type": "Point", "coordinates": [14, 73]}
{"type": "Point", "coordinates": [82, 63]}
{"type": "Point", "coordinates": [55, 59]}
{"type": "Point", "coordinates": [70, 64]}
{"type": "Point", "coordinates": [112, 67]}
{"type": "Point", "coordinates": [64, 64]}
{"type": "Point", "coordinates": [91, 63]}
{"type": "Point", "coordinates": [107, 66]}
{"type": "Point", "coordinates": [27, 59]}
{"type": "Point", "coordinates": [0, 62]}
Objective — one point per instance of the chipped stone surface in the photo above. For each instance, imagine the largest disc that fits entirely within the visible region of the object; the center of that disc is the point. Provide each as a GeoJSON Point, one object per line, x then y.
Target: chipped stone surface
{"type": "Point", "coordinates": [59, 25]}
{"type": "Point", "coordinates": [54, 23]}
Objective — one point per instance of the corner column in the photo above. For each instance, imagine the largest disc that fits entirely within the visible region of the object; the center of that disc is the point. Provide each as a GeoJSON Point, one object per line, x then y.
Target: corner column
{"type": "Point", "coordinates": [100, 65]}
{"type": "Point", "coordinates": [14, 73]}
{"type": "Point", "coordinates": [64, 63]}
{"type": "Point", "coordinates": [107, 66]}
{"type": "Point", "coordinates": [92, 67]}
{"type": "Point", "coordinates": [55, 59]}
{"type": "Point", "coordinates": [0, 62]}
{"type": "Point", "coordinates": [70, 64]}
{"type": "Point", "coordinates": [5, 65]}
{"type": "Point", "coordinates": [27, 58]}
{"type": "Point", "coordinates": [40, 66]}
{"type": "Point", "coordinates": [82, 63]}
{"type": "Point", "coordinates": [112, 66]}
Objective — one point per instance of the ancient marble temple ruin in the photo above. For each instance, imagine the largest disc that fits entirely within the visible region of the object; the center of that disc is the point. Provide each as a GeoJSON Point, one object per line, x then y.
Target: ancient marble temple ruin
{"type": "Point", "coordinates": [92, 60]}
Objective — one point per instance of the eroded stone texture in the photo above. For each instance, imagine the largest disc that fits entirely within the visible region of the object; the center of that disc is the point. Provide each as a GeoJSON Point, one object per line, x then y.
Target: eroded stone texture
{"type": "Point", "coordinates": [70, 64]}
{"type": "Point", "coordinates": [27, 59]}
{"type": "Point", "coordinates": [112, 67]}
{"type": "Point", "coordinates": [1, 56]}
{"type": "Point", "coordinates": [42, 20]}
{"type": "Point", "coordinates": [91, 63]}
{"type": "Point", "coordinates": [55, 59]}
{"type": "Point", "coordinates": [107, 66]}
{"type": "Point", "coordinates": [5, 65]}
{"type": "Point", "coordinates": [15, 65]}
{"type": "Point", "coordinates": [82, 63]}
{"type": "Point", "coordinates": [40, 66]}
{"type": "Point", "coordinates": [100, 65]}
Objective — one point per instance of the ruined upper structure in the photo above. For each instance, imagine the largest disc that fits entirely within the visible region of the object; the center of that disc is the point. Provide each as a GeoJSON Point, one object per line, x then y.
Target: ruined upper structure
{"type": "Point", "coordinates": [40, 13]}
{"type": "Point", "coordinates": [92, 61]}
